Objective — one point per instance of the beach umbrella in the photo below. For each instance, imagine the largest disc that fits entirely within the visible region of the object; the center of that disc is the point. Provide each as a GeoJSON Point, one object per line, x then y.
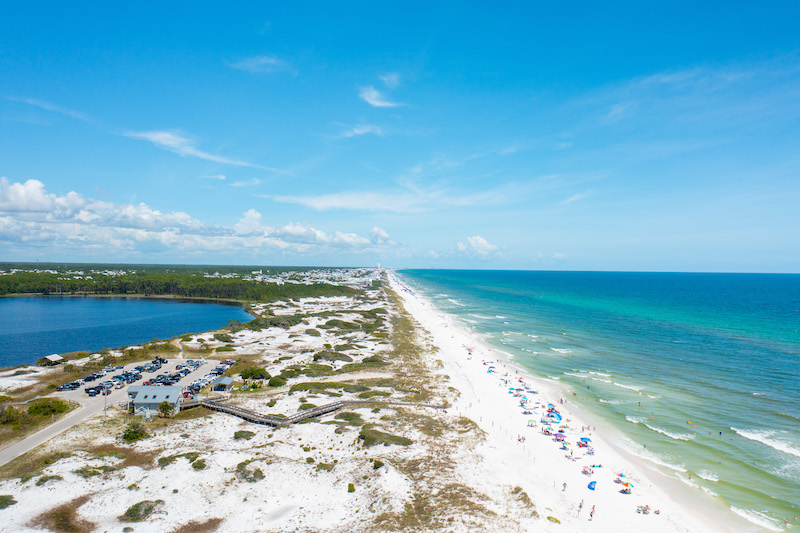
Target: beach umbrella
{"type": "Point", "coordinates": [592, 485]}
{"type": "Point", "coordinates": [559, 435]}
{"type": "Point", "coordinates": [620, 475]}
{"type": "Point", "coordinates": [627, 485]}
{"type": "Point", "coordinates": [586, 439]}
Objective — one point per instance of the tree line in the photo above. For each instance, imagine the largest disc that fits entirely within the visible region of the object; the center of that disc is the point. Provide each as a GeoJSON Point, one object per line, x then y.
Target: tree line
{"type": "Point", "coordinates": [171, 284]}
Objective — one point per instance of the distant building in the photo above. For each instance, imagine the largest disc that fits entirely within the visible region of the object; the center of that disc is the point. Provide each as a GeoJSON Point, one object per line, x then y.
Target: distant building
{"type": "Point", "coordinates": [222, 384]}
{"type": "Point", "coordinates": [147, 398]}
{"type": "Point", "coordinates": [54, 359]}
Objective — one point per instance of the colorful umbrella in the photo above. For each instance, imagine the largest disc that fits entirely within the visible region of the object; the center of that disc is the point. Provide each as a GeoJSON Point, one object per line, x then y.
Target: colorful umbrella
{"type": "Point", "coordinates": [592, 485]}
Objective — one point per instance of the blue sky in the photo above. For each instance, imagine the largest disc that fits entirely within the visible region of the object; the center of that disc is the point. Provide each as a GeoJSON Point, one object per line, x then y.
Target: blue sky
{"type": "Point", "coordinates": [635, 136]}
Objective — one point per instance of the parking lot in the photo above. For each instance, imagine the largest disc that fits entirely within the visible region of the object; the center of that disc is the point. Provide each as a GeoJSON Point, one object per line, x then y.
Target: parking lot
{"type": "Point", "coordinates": [166, 373]}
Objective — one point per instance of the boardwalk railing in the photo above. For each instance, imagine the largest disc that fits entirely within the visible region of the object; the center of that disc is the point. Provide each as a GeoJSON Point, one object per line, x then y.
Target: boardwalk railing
{"type": "Point", "coordinates": [214, 404]}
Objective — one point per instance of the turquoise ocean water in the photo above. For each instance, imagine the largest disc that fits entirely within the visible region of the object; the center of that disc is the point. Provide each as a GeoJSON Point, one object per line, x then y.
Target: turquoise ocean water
{"type": "Point", "coordinates": [699, 372]}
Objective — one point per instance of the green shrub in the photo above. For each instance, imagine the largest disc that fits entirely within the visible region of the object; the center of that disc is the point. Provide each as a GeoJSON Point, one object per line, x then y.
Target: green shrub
{"type": "Point", "coordinates": [243, 434]}
{"type": "Point", "coordinates": [306, 406]}
{"type": "Point", "coordinates": [135, 431]}
{"type": "Point", "coordinates": [351, 487]}
{"type": "Point", "coordinates": [277, 381]}
{"type": "Point", "coordinates": [376, 464]}
{"type": "Point", "coordinates": [313, 332]}
{"type": "Point", "coordinates": [44, 479]}
{"type": "Point", "coordinates": [199, 464]}
{"type": "Point", "coordinates": [6, 500]}
{"type": "Point", "coordinates": [140, 511]}
{"type": "Point", "coordinates": [254, 373]}
{"type": "Point", "coordinates": [223, 337]}
{"type": "Point", "coordinates": [310, 460]}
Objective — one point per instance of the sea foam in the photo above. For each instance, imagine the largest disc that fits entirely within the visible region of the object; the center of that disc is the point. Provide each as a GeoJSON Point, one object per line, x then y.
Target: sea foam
{"type": "Point", "coordinates": [676, 436]}
{"type": "Point", "coordinates": [757, 518]}
{"type": "Point", "coordinates": [763, 436]}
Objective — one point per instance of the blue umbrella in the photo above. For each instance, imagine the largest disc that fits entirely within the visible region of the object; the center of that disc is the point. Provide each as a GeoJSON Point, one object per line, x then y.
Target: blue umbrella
{"type": "Point", "coordinates": [592, 485]}
{"type": "Point", "coordinates": [586, 439]}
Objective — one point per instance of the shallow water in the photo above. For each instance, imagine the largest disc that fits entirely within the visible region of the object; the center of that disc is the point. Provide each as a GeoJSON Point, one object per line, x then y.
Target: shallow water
{"type": "Point", "coordinates": [698, 371]}
{"type": "Point", "coordinates": [33, 327]}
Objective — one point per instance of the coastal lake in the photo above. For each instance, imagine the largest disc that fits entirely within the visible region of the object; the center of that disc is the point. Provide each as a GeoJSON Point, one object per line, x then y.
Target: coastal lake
{"type": "Point", "coordinates": [35, 326]}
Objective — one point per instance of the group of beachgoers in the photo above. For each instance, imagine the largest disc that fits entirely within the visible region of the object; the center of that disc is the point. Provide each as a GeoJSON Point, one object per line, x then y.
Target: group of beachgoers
{"type": "Point", "coordinates": [577, 445]}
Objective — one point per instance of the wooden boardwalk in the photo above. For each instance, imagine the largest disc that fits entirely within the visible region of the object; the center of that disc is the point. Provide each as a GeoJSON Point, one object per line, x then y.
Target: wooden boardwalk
{"type": "Point", "coordinates": [215, 404]}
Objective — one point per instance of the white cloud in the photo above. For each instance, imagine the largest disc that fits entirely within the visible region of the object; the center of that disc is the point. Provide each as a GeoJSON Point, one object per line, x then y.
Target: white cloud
{"type": "Point", "coordinates": [477, 246]}
{"type": "Point", "coordinates": [361, 129]}
{"type": "Point", "coordinates": [174, 141]}
{"type": "Point", "coordinates": [220, 177]}
{"type": "Point", "coordinates": [32, 217]}
{"type": "Point", "coordinates": [249, 223]}
{"type": "Point", "coordinates": [378, 235]}
{"type": "Point", "coordinates": [374, 97]}
{"type": "Point", "coordinates": [261, 65]}
{"type": "Point", "coordinates": [390, 79]}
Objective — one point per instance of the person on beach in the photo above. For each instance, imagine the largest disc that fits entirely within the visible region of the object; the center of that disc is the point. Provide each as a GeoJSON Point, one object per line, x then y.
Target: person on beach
{"type": "Point", "coordinates": [591, 513]}
{"type": "Point", "coordinates": [580, 506]}
{"type": "Point", "coordinates": [565, 487]}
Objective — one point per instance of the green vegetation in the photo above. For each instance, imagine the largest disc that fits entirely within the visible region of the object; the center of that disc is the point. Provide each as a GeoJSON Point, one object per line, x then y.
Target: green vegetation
{"type": "Point", "coordinates": [65, 518]}
{"type": "Point", "coordinates": [140, 511]}
{"type": "Point", "coordinates": [166, 409]}
{"type": "Point", "coordinates": [6, 500]}
{"type": "Point", "coordinates": [249, 475]}
{"type": "Point", "coordinates": [371, 437]}
{"type": "Point", "coordinates": [89, 471]}
{"type": "Point", "coordinates": [254, 373]}
{"type": "Point", "coordinates": [243, 435]}
{"type": "Point", "coordinates": [313, 332]}
{"type": "Point", "coordinates": [44, 479]}
{"type": "Point", "coordinates": [277, 381]}
{"type": "Point", "coordinates": [168, 460]}
{"type": "Point", "coordinates": [175, 281]}
{"type": "Point", "coordinates": [349, 419]}
{"type": "Point", "coordinates": [306, 406]}
{"type": "Point", "coordinates": [223, 337]}
{"type": "Point", "coordinates": [376, 464]}
{"type": "Point", "coordinates": [133, 432]}
{"type": "Point", "coordinates": [369, 394]}
{"type": "Point", "coordinates": [326, 355]}
{"type": "Point", "coordinates": [199, 464]}
{"type": "Point", "coordinates": [37, 411]}
{"type": "Point", "coordinates": [351, 487]}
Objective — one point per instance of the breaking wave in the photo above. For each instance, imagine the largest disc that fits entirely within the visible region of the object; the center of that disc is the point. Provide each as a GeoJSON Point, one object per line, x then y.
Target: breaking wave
{"type": "Point", "coordinates": [763, 436]}
{"type": "Point", "coordinates": [675, 436]}
{"type": "Point", "coordinates": [760, 519]}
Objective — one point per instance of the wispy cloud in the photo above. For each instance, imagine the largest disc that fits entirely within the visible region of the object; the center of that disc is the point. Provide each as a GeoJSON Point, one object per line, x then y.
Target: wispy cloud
{"type": "Point", "coordinates": [220, 177]}
{"type": "Point", "coordinates": [390, 79]}
{"type": "Point", "coordinates": [576, 197]}
{"type": "Point", "coordinates": [246, 183]}
{"type": "Point", "coordinates": [174, 141]}
{"type": "Point", "coordinates": [373, 97]}
{"type": "Point", "coordinates": [262, 65]}
{"type": "Point", "coordinates": [52, 107]}
{"type": "Point", "coordinates": [361, 129]}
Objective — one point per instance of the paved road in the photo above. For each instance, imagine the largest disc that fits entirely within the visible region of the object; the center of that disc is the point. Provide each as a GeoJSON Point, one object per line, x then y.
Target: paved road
{"type": "Point", "coordinates": [92, 406]}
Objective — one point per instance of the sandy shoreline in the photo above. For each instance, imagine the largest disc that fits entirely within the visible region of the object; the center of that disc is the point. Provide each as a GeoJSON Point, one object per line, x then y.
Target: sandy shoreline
{"type": "Point", "coordinates": [538, 461]}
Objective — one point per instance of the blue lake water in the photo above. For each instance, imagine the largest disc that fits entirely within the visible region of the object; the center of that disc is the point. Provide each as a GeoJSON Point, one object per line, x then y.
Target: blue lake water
{"type": "Point", "coordinates": [32, 327]}
{"type": "Point", "coordinates": [699, 372]}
